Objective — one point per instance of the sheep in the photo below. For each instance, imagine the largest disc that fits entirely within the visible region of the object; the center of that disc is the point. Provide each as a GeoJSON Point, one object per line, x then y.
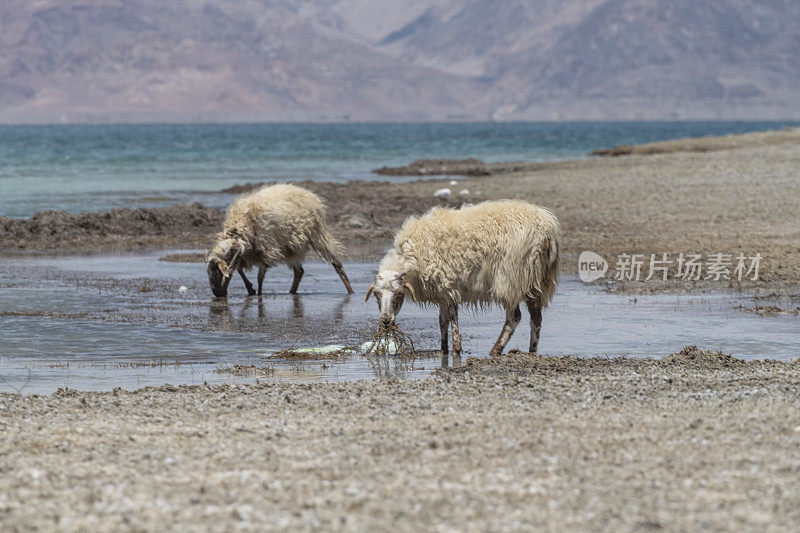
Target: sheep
{"type": "Point", "coordinates": [501, 252]}
{"type": "Point", "coordinates": [275, 223]}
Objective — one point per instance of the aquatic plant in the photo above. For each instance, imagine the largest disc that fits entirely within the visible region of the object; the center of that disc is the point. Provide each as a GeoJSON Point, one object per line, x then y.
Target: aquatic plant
{"type": "Point", "coordinates": [388, 341]}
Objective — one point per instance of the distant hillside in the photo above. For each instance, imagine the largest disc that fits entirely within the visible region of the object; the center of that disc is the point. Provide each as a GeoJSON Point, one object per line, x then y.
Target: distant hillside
{"type": "Point", "coordinates": [113, 60]}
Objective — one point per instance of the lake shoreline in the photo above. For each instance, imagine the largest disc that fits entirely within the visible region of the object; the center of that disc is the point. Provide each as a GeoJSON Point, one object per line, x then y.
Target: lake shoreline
{"type": "Point", "coordinates": [667, 203]}
{"type": "Point", "coordinates": [513, 442]}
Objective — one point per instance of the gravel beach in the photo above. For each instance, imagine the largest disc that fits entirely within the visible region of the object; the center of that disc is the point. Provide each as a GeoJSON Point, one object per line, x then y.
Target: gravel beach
{"type": "Point", "coordinates": [697, 440]}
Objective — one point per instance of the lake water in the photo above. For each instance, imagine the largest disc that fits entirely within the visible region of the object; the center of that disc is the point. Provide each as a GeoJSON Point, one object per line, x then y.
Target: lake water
{"type": "Point", "coordinates": [100, 322]}
{"type": "Point", "coordinates": [80, 168]}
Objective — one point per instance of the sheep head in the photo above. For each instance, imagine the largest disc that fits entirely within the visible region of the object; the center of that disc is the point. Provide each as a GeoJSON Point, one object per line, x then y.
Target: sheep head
{"type": "Point", "coordinates": [390, 289]}
{"type": "Point", "coordinates": [221, 262]}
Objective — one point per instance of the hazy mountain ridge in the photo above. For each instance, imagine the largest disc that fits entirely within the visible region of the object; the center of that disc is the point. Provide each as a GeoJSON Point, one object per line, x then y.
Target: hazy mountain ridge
{"type": "Point", "coordinates": [107, 60]}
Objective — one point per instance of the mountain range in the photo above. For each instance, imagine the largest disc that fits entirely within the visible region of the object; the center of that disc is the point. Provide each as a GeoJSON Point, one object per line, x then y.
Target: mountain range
{"type": "Point", "coordinates": [406, 60]}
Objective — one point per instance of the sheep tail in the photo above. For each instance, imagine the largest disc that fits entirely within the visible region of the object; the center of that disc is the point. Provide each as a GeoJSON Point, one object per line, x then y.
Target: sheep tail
{"type": "Point", "coordinates": [549, 268]}
{"type": "Point", "coordinates": [326, 246]}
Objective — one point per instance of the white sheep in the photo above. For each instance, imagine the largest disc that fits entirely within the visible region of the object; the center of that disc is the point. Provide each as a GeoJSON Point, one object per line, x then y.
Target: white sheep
{"type": "Point", "coordinates": [273, 224]}
{"type": "Point", "coordinates": [501, 252]}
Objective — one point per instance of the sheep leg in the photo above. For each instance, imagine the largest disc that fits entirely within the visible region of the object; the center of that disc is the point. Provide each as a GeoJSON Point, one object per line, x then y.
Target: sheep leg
{"type": "Point", "coordinates": [250, 290]}
{"type": "Point", "coordinates": [298, 275]}
{"type": "Point", "coordinates": [337, 266]}
{"type": "Point", "coordinates": [513, 316]}
{"type": "Point", "coordinates": [535, 310]}
{"type": "Point", "coordinates": [453, 315]}
{"type": "Point", "coordinates": [262, 271]}
{"type": "Point", "coordinates": [444, 321]}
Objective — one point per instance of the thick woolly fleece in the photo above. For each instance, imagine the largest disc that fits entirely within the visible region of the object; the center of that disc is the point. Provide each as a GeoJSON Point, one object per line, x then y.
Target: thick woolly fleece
{"type": "Point", "coordinates": [493, 252]}
{"type": "Point", "coordinates": [278, 223]}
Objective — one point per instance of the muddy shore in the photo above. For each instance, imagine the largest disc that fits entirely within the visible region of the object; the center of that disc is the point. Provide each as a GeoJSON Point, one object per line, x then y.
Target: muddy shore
{"type": "Point", "coordinates": [460, 167]}
{"type": "Point", "coordinates": [363, 215]}
{"type": "Point", "coordinates": [737, 200]}
{"type": "Point", "coordinates": [697, 440]}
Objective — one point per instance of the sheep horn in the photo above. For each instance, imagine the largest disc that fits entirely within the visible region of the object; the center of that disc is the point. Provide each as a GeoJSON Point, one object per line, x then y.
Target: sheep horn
{"type": "Point", "coordinates": [223, 268]}
{"type": "Point", "coordinates": [369, 291]}
{"type": "Point", "coordinates": [236, 257]}
{"type": "Point", "coordinates": [408, 286]}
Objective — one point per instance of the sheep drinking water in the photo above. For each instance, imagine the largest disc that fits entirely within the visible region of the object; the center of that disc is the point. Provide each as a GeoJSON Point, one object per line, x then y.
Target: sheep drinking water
{"type": "Point", "coordinates": [273, 224]}
{"type": "Point", "coordinates": [502, 252]}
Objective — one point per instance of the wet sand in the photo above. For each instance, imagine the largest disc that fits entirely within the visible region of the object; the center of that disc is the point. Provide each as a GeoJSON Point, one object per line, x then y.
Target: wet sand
{"type": "Point", "coordinates": [694, 441]}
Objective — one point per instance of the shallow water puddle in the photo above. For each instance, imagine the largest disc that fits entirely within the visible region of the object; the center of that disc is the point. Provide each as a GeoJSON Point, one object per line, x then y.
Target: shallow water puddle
{"type": "Point", "coordinates": [106, 321]}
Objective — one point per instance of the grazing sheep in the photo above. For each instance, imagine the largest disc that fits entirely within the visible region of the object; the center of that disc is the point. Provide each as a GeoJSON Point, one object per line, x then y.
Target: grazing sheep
{"type": "Point", "coordinates": [275, 223]}
{"type": "Point", "coordinates": [501, 252]}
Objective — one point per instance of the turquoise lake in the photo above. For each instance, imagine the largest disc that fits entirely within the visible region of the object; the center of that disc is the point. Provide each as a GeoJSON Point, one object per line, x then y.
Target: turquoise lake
{"type": "Point", "coordinates": [89, 168]}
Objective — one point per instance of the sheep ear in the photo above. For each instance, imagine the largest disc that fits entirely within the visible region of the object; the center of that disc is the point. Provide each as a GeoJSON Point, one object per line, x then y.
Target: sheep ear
{"type": "Point", "coordinates": [369, 291]}
{"type": "Point", "coordinates": [208, 256]}
{"type": "Point", "coordinates": [408, 286]}
{"type": "Point", "coordinates": [223, 268]}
